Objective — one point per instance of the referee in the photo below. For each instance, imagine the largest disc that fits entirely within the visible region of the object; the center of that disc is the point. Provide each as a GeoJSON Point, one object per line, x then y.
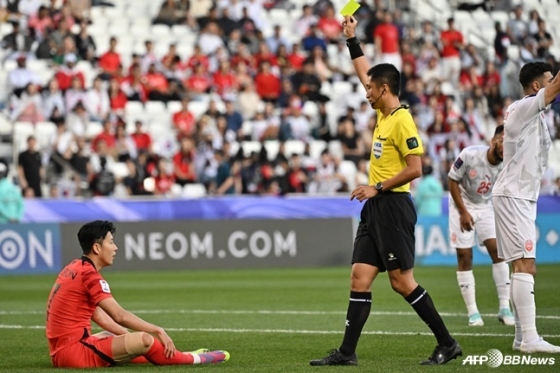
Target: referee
{"type": "Point", "coordinates": [385, 237]}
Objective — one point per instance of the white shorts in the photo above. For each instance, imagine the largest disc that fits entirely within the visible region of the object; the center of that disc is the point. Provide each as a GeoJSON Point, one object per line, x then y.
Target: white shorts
{"type": "Point", "coordinates": [484, 227]}
{"type": "Point", "coordinates": [515, 227]}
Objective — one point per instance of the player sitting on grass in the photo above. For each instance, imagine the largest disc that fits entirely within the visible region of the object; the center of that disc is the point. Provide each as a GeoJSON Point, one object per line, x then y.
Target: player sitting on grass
{"type": "Point", "coordinates": [470, 183]}
{"type": "Point", "coordinates": [80, 295]}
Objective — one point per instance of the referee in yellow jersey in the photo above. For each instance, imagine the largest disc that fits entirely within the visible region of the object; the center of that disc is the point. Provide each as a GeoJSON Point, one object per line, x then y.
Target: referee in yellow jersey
{"type": "Point", "coordinates": [385, 236]}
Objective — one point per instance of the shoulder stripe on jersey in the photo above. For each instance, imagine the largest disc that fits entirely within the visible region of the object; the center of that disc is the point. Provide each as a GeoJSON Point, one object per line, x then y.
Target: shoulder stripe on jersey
{"type": "Point", "coordinates": [99, 353]}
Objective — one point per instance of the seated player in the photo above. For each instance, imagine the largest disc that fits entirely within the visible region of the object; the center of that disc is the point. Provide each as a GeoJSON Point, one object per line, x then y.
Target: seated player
{"type": "Point", "coordinates": [470, 183]}
{"type": "Point", "coordinates": [80, 294]}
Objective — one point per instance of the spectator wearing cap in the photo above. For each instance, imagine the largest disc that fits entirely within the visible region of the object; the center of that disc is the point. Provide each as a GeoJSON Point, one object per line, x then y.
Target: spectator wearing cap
{"type": "Point", "coordinates": [17, 41]}
{"type": "Point", "coordinates": [110, 61]}
{"type": "Point", "coordinates": [30, 168]}
{"type": "Point", "coordinates": [11, 200]}
{"type": "Point", "coordinates": [67, 72]}
{"type": "Point", "coordinates": [21, 76]}
{"type": "Point", "coordinates": [452, 44]}
{"type": "Point", "coordinates": [29, 107]}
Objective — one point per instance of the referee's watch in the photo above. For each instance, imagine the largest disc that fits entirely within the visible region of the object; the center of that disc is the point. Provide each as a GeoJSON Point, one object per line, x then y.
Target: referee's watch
{"type": "Point", "coordinates": [379, 187]}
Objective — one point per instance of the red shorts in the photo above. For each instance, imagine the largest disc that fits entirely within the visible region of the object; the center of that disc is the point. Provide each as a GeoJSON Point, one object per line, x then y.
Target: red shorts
{"type": "Point", "coordinates": [91, 352]}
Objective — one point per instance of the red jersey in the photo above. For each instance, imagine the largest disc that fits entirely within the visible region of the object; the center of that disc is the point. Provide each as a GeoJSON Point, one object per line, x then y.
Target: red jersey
{"type": "Point", "coordinates": [110, 62]}
{"type": "Point", "coordinates": [268, 85]}
{"type": "Point", "coordinates": [198, 84]}
{"type": "Point", "coordinates": [142, 140]}
{"type": "Point", "coordinates": [109, 139]}
{"type": "Point", "coordinates": [184, 122]}
{"type": "Point", "coordinates": [330, 27]}
{"type": "Point", "coordinates": [448, 39]}
{"type": "Point", "coordinates": [389, 35]}
{"type": "Point", "coordinates": [119, 101]}
{"type": "Point", "coordinates": [225, 83]}
{"type": "Point", "coordinates": [73, 299]}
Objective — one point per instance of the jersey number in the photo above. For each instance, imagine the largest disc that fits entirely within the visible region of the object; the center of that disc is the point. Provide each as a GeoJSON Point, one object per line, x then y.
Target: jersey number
{"type": "Point", "coordinates": [484, 187]}
{"type": "Point", "coordinates": [55, 290]}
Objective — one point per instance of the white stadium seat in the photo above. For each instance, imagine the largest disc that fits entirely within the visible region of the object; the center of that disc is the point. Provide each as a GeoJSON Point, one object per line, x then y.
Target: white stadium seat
{"type": "Point", "coordinates": [293, 147]}
{"type": "Point", "coordinates": [194, 191]}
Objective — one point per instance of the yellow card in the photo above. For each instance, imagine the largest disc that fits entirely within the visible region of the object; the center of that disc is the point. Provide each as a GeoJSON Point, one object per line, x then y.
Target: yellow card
{"type": "Point", "coordinates": [350, 8]}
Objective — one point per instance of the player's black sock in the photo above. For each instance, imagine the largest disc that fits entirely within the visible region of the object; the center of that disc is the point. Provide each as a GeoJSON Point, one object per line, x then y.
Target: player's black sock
{"type": "Point", "coordinates": [422, 303]}
{"type": "Point", "coordinates": [356, 317]}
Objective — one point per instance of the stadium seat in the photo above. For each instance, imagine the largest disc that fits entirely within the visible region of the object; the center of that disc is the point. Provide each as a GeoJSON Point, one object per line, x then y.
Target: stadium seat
{"type": "Point", "coordinates": [234, 148]}
{"type": "Point", "coordinates": [335, 149]}
{"type": "Point", "coordinates": [6, 150]}
{"type": "Point", "coordinates": [173, 107]}
{"type": "Point", "coordinates": [120, 170]}
{"type": "Point", "coordinates": [45, 132]}
{"type": "Point", "coordinates": [513, 52]}
{"type": "Point", "coordinates": [22, 130]}
{"type": "Point", "coordinates": [310, 109]}
{"type": "Point", "coordinates": [93, 129]}
{"type": "Point", "coordinates": [155, 108]}
{"type": "Point", "coordinates": [249, 147]}
{"type": "Point", "coordinates": [197, 108]}
{"type": "Point", "coordinates": [500, 16]}
{"type": "Point", "coordinates": [135, 109]}
{"type": "Point", "coordinates": [194, 191]}
{"type": "Point", "coordinates": [161, 32]}
{"type": "Point", "coordinates": [272, 147]}
{"type": "Point", "coordinates": [5, 126]}
{"type": "Point", "coordinates": [293, 147]}
{"type": "Point", "coordinates": [348, 170]}
{"type": "Point", "coordinates": [316, 147]}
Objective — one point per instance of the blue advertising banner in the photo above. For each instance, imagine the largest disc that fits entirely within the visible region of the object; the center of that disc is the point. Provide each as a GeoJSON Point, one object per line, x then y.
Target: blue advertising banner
{"type": "Point", "coordinates": [432, 242]}
{"type": "Point", "coordinates": [29, 249]}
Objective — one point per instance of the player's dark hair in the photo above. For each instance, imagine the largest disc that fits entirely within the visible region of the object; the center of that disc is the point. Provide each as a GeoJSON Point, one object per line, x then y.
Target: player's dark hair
{"type": "Point", "coordinates": [499, 130]}
{"type": "Point", "coordinates": [532, 71]}
{"type": "Point", "coordinates": [385, 73]}
{"type": "Point", "coordinates": [94, 232]}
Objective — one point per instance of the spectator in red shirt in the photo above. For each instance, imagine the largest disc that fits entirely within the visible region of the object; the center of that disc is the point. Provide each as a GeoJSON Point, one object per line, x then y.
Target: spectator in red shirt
{"type": "Point", "coordinates": [142, 139]}
{"type": "Point", "coordinates": [67, 71]}
{"type": "Point", "coordinates": [107, 135]}
{"type": "Point", "coordinates": [330, 26]}
{"type": "Point", "coordinates": [243, 55]}
{"type": "Point", "coordinates": [267, 84]}
{"type": "Point", "coordinates": [117, 97]}
{"type": "Point", "coordinates": [110, 61]}
{"type": "Point", "coordinates": [164, 179]}
{"type": "Point", "coordinates": [183, 162]}
{"type": "Point", "coordinates": [198, 58]}
{"type": "Point", "coordinates": [296, 58]}
{"type": "Point", "coordinates": [264, 55]}
{"type": "Point", "coordinates": [156, 84]}
{"type": "Point", "coordinates": [386, 37]}
{"type": "Point", "coordinates": [170, 57]}
{"type": "Point", "coordinates": [491, 76]}
{"type": "Point", "coordinates": [224, 79]}
{"type": "Point", "coordinates": [184, 120]}
{"type": "Point", "coordinates": [452, 44]}
{"type": "Point", "coordinates": [198, 83]}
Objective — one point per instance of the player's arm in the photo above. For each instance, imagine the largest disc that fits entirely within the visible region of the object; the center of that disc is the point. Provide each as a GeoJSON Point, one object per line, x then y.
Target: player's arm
{"type": "Point", "coordinates": [361, 64]}
{"type": "Point", "coordinates": [131, 321]}
{"type": "Point", "coordinates": [552, 89]}
{"type": "Point", "coordinates": [105, 321]}
{"type": "Point", "coordinates": [412, 171]}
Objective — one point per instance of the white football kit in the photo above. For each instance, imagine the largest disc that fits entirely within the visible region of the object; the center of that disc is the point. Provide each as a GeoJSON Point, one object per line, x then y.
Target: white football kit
{"type": "Point", "coordinates": [476, 177]}
{"type": "Point", "coordinates": [526, 145]}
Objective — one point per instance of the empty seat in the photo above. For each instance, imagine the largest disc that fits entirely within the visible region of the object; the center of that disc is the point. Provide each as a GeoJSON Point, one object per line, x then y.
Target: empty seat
{"type": "Point", "coordinates": [45, 131]}
{"type": "Point", "coordinates": [93, 129]}
{"type": "Point", "coordinates": [194, 191]}
{"type": "Point", "coordinates": [316, 147]}
{"type": "Point", "coordinates": [348, 170]}
{"type": "Point", "coordinates": [293, 147]}
{"type": "Point", "coordinates": [22, 130]}
{"type": "Point", "coordinates": [250, 147]}
{"type": "Point", "coordinates": [272, 148]}
{"type": "Point", "coordinates": [120, 170]}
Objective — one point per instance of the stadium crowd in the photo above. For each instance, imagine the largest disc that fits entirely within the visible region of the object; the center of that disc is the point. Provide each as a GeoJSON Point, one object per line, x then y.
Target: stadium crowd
{"type": "Point", "coordinates": [274, 87]}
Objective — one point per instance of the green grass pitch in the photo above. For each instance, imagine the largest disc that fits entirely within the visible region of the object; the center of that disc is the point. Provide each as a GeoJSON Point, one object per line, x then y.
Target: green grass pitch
{"type": "Point", "coordinates": [277, 320]}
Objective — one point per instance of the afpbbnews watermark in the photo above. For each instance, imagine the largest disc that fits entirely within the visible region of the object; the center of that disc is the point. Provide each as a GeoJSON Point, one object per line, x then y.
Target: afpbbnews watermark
{"type": "Point", "coordinates": [494, 358]}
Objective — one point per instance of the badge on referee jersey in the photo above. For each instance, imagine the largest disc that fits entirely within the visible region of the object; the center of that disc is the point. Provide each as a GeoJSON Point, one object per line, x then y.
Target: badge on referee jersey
{"type": "Point", "coordinates": [412, 143]}
{"type": "Point", "coordinates": [377, 149]}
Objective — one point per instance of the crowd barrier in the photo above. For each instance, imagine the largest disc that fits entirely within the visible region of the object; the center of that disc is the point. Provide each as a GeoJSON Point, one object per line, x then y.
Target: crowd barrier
{"type": "Point", "coordinates": [252, 233]}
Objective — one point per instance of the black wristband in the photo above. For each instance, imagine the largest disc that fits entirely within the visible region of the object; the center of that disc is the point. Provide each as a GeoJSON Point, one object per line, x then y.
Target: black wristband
{"type": "Point", "coordinates": [353, 45]}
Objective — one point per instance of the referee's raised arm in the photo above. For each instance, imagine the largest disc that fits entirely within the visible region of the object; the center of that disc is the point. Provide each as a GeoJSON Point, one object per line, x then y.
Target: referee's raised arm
{"type": "Point", "coordinates": [360, 62]}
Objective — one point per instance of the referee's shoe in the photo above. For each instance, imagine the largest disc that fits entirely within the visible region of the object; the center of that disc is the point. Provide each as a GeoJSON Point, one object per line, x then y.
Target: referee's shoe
{"type": "Point", "coordinates": [442, 354]}
{"type": "Point", "coordinates": [335, 357]}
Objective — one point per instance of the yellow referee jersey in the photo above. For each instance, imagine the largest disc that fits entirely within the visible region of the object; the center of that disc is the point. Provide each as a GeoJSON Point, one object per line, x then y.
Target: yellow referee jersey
{"type": "Point", "coordinates": [394, 138]}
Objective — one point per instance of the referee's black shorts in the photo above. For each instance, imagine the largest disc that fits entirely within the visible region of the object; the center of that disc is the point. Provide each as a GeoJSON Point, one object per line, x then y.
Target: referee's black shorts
{"type": "Point", "coordinates": [385, 236]}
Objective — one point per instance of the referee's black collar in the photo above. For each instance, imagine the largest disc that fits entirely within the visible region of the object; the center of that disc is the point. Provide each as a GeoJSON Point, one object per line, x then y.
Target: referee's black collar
{"type": "Point", "coordinates": [403, 106]}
